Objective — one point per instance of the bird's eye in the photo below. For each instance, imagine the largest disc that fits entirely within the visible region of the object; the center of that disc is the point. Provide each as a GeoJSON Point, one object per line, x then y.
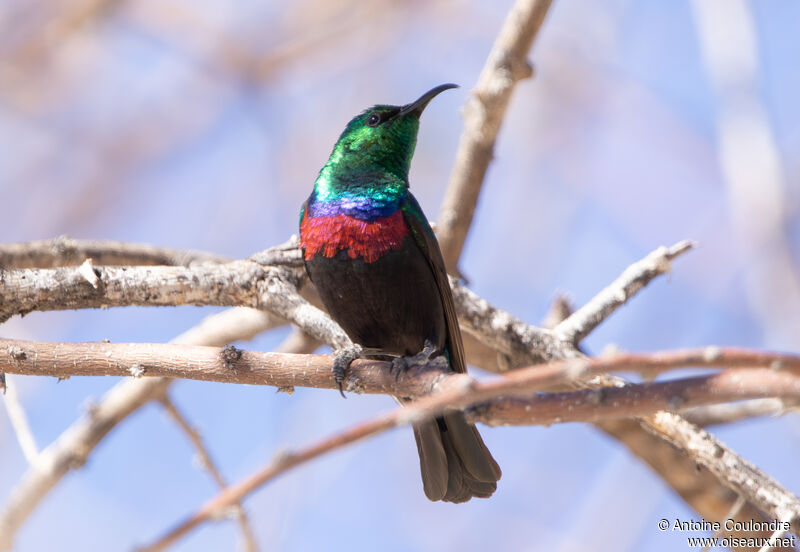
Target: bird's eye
{"type": "Point", "coordinates": [373, 120]}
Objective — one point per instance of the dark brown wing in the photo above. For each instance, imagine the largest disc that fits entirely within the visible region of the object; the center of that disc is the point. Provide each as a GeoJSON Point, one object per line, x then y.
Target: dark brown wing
{"type": "Point", "coordinates": [426, 240]}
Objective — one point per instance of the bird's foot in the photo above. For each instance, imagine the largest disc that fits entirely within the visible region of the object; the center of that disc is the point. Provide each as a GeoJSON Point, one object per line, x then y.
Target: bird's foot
{"type": "Point", "coordinates": [422, 358]}
{"type": "Point", "coordinates": [341, 361]}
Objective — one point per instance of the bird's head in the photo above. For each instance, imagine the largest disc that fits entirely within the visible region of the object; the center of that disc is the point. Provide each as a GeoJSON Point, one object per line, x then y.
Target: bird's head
{"type": "Point", "coordinates": [381, 138]}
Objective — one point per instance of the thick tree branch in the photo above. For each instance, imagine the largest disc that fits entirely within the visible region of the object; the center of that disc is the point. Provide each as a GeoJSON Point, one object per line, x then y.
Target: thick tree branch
{"type": "Point", "coordinates": [234, 284]}
{"type": "Point", "coordinates": [506, 333]}
{"type": "Point", "coordinates": [231, 365]}
{"type": "Point", "coordinates": [483, 115]}
{"type": "Point", "coordinates": [240, 283]}
{"type": "Point", "coordinates": [252, 284]}
{"type": "Point", "coordinates": [228, 365]}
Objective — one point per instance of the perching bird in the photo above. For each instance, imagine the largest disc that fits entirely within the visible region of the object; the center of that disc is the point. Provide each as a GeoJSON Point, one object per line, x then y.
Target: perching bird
{"type": "Point", "coordinates": [376, 263]}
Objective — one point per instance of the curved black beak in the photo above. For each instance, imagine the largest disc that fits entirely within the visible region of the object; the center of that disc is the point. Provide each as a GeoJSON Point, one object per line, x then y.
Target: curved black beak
{"type": "Point", "coordinates": [418, 105]}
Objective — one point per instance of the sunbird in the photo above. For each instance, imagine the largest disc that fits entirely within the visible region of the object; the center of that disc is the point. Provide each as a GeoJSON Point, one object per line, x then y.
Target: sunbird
{"type": "Point", "coordinates": [375, 261]}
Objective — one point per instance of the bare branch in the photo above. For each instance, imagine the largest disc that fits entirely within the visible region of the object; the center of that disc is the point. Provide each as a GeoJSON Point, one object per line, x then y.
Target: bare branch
{"type": "Point", "coordinates": [708, 357]}
{"type": "Point", "coordinates": [506, 333]}
{"type": "Point", "coordinates": [72, 448]}
{"type": "Point", "coordinates": [281, 297]}
{"type": "Point", "coordinates": [697, 484]}
{"type": "Point", "coordinates": [775, 540]}
{"type": "Point", "coordinates": [525, 343]}
{"type": "Point", "coordinates": [520, 343]}
{"type": "Point", "coordinates": [459, 391]}
{"type": "Point", "coordinates": [366, 376]}
{"type": "Point", "coordinates": [250, 283]}
{"type": "Point", "coordinates": [240, 283]}
{"type": "Point", "coordinates": [228, 365]}
{"type": "Point", "coordinates": [208, 464]}
{"type": "Point", "coordinates": [608, 403]}
{"type": "Point", "coordinates": [233, 284]}
{"type": "Point", "coordinates": [65, 251]}
{"type": "Point", "coordinates": [298, 342]}
{"type": "Point", "coordinates": [279, 465]}
{"type": "Point", "coordinates": [239, 323]}
{"type": "Point", "coordinates": [462, 392]}
{"type": "Point", "coordinates": [746, 479]}
{"type": "Point", "coordinates": [560, 309]}
{"type": "Point", "coordinates": [285, 254]}
{"type": "Point", "coordinates": [734, 511]}
{"type": "Point", "coordinates": [635, 277]}
{"type": "Point", "coordinates": [483, 115]}
{"type": "Point", "coordinates": [70, 451]}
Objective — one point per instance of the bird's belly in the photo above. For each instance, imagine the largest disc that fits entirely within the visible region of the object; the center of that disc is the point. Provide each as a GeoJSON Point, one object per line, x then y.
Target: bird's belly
{"type": "Point", "coordinates": [391, 303]}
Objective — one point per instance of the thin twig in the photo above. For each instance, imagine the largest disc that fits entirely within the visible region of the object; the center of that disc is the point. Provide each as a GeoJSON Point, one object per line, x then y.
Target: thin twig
{"type": "Point", "coordinates": [19, 421]}
{"type": "Point", "coordinates": [736, 507]}
{"type": "Point", "coordinates": [483, 115]}
{"type": "Point", "coordinates": [71, 450]}
{"type": "Point", "coordinates": [774, 540]}
{"type": "Point", "coordinates": [560, 309]}
{"type": "Point", "coordinates": [608, 403]}
{"type": "Point", "coordinates": [636, 276]}
{"type": "Point", "coordinates": [207, 463]}
{"type": "Point", "coordinates": [279, 465]}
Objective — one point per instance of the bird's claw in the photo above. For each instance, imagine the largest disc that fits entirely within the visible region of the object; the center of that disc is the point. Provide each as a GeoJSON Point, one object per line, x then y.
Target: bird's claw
{"type": "Point", "coordinates": [341, 361]}
{"type": "Point", "coordinates": [422, 358]}
{"type": "Point", "coordinates": [399, 365]}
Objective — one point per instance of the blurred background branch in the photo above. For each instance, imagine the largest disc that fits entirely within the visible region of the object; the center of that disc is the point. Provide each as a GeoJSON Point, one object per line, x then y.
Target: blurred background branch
{"type": "Point", "coordinates": [206, 463]}
{"type": "Point", "coordinates": [751, 166]}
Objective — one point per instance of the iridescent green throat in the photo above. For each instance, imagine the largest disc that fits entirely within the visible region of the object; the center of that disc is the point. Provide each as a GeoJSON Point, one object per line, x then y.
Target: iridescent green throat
{"type": "Point", "coordinates": [370, 161]}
